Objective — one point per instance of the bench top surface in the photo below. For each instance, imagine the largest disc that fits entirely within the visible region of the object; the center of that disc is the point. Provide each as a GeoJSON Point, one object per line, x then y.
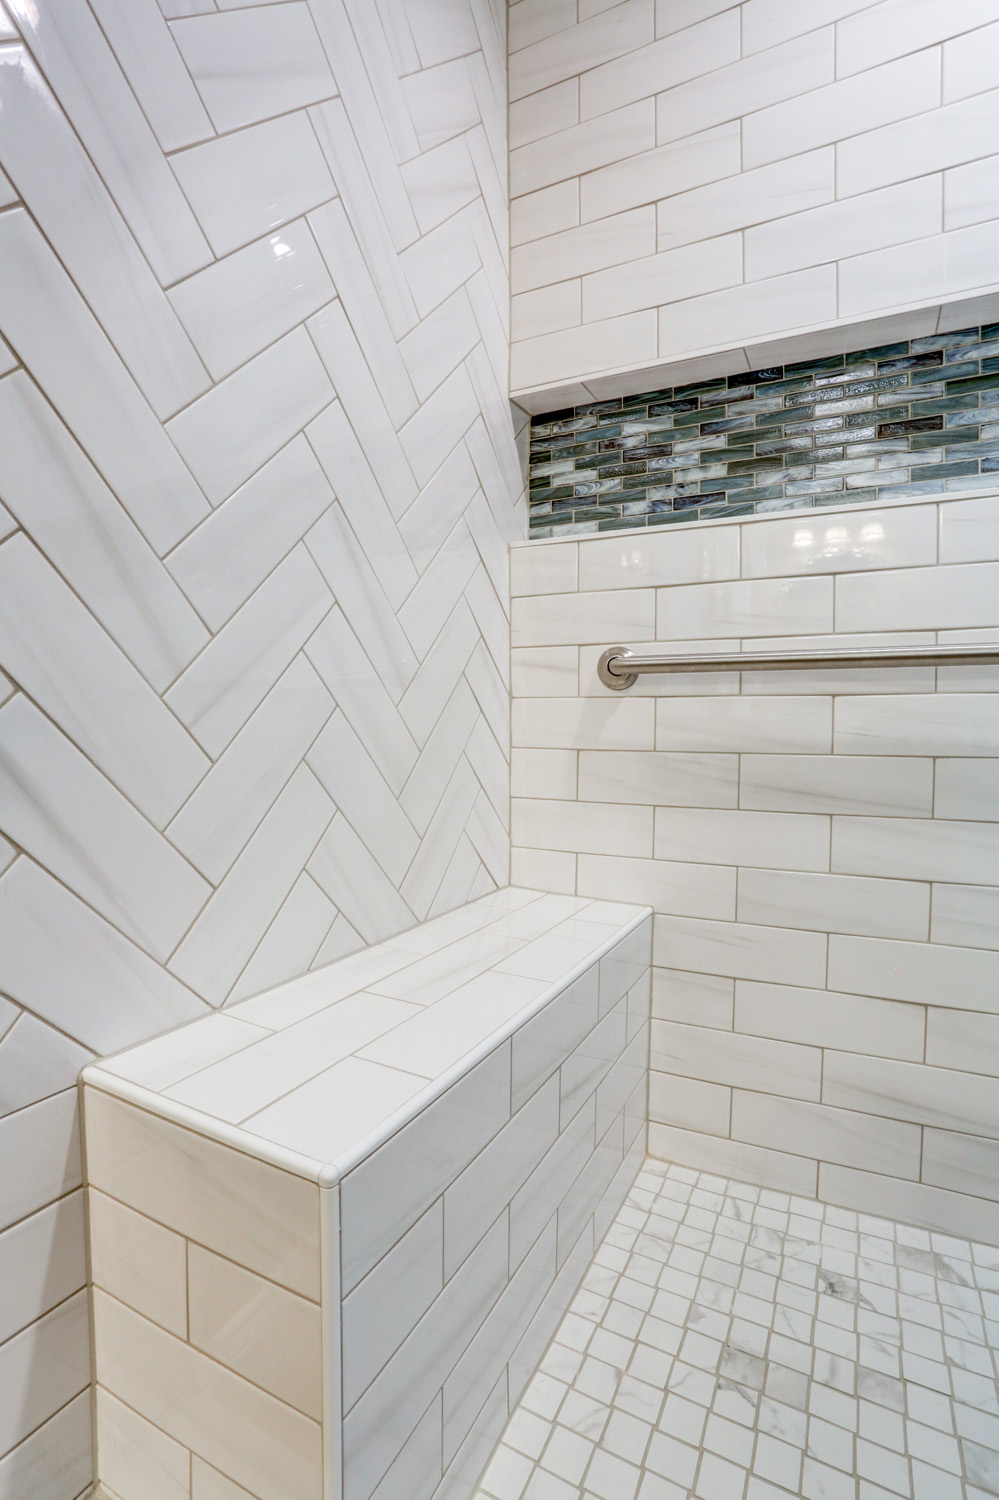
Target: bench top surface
{"type": "Point", "coordinates": [316, 1073]}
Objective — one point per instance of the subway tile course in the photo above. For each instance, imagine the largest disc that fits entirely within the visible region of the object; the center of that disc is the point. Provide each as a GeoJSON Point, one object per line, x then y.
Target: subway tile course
{"type": "Point", "coordinates": [911, 418]}
{"type": "Point", "coordinates": [735, 1343]}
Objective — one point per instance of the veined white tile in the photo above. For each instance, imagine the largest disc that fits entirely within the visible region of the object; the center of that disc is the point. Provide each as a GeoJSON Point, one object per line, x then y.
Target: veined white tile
{"type": "Point", "coordinates": [358, 790]}
{"type": "Point", "coordinates": [547, 211]}
{"type": "Point", "coordinates": [916, 849]}
{"type": "Point", "coordinates": [36, 1061]}
{"type": "Point", "coordinates": [689, 1103]}
{"type": "Point", "coordinates": [545, 671]}
{"type": "Point", "coordinates": [47, 1363]}
{"type": "Point", "coordinates": [65, 506]}
{"type": "Point", "coordinates": [384, 1308]}
{"type": "Point", "coordinates": [704, 553]}
{"type": "Point", "coordinates": [262, 1331]}
{"type": "Point", "coordinates": [967, 789]}
{"type": "Point", "coordinates": [959, 1039]}
{"type": "Point", "coordinates": [734, 1058]}
{"type": "Point", "coordinates": [438, 344]}
{"type": "Point", "coordinates": [69, 355]}
{"type": "Point", "coordinates": [580, 47]}
{"type": "Point", "coordinates": [136, 1457]}
{"type": "Point", "coordinates": [740, 950]}
{"type": "Point", "coordinates": [224, 935]}
{"type": "Point", "coordinates": [907, 1091]}
{"type": "Point", "coordinates": [791, 186]}
{"type": "Point", "coordinates": [231, 553]}
{"type": "Point", "coordinates": [924, 973]}
{"type": "Point", "coordinates": [656, 778]}
{"type": "Point", "coordinates": [617, 240]}
{"type": "Point", "coordinates": [583, 827]}
{"type": "Point", "coordinates": [251, 64]}
{"type": "Point", "coordinates": [164, 1060]}
{"type": "Point", "coordinates": [967, 915]}
{"type": "Point", "coordinates": [547, 309]}
{"type": "Point", "coordinates": [294, 940]}
{"type": "Point", "coordinates": [62, 811]}
{"type": "Point", "coordinates": [775, 725]}
{"type": "Point", "coordinates": [245, 184]}
{"type": "Point", "coordinates": [881, 785]}
{"type": "Point", "coordinates": [543, 570]}
{"type": "Point", "coordinates": [966, 193]}
{"type": "Point", "coordinates": [785, 841]}
{"type": "Point", "coordinates": [436, 265]}
{"type": "Point", "coordinates": [554, 620]}
{"type": "Point", "coordinates": [72, 53]}
{"type": "Point", "coordinates": [40, 1153]}
{"type": "Point", "coordinates": [43, 1261]}
{"type": "Point", "coordinates": [138, 1261]}
{"type": "Point", "coordinates": [745, 313]}
{"type": "Point", "coordinates": [440, 182]}
{"type": "Point", "coordinates": [330, 1114]}
{"type": "Point", "coordinates": [835, 903]}
{"type": "Point", "coordinates": [532, 23]}
{"type": "Point", "coordinates": [838, 1135]}
{"type": "Point", "coordinates": [219, 691]}
{"type": "Point", "coordinates": [80, 220]}
{"type": "Point", "coordinates": [442, 502]}
{"type": "Point", "coordinates": [936, 724]}
{"type": "Point", "coordinates": [245, 419]}
{"type": "Point", "coordinates": [539, 1199]}
{"type": "Point", "coordinates": [77, 971]}
{"type": "Point", "coordinates": [192, 1399]}
{"type": "Point", "coordinates": [242, 303]}
{"type": "Point", "coordinates": [672, 168]}
{"type": "Point", "coordinates": [969, 530]}
{"type": "Point", "coordinates": [695, 890]}
{"type": "Point", "coordinates": [546, 773]}
{"type": "Point", "coordinates": [616, 135]}
{"type": "Point", "coordinates": [584, 723]}
{"type": "Point", "coordinates": [148, 55]}
{"type": "Point", "coordinates": [206, 1191]}
{"type": "Point", "coordinates": [430, 434]}
{"type": "Point", "coordinates": [865, 39]}
{"type": "Point", "coordinates": [823, 1018]}
{"type": "Point", "coordinates": [819, 542]}
{"type": "Point", "coordinates": [61, 656]}
{"type": "Point", "coordinates": [757, 607]}
{"type": "Point", "coordinates": [356, 883]}
{"type": "Point", "coordinates": [441, 102]}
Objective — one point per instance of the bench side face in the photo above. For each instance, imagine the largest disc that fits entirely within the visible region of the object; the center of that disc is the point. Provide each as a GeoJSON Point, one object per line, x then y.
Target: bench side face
{"type": "Point", "coordinates": [465, 1236]}
{"type": "Point", "coordinates": [207, 1317]}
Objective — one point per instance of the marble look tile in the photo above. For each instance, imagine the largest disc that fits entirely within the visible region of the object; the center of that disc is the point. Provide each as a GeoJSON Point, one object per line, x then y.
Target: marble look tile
{"type": "Point", "coordinates": [326, 1116]}
{"type": "Point", "coordinates": [135, 1457]}
{"type": "Point", "coordinates": [245, 184]}
{"type": "Point", "coordinates": [36, 1062]}
{"type": "Point", "coordinates": [149, 58]}
{"type": "Point", "coordinates": [251, 64]}
{"type": "Point", "coordinates": [49, 1364]}
{"type": "Point", "coordinates": [40, 1152]}
{"type": "Point", "coordinates": [43, 1262]}
{"type": "Point", "coordinates": [139, 1262]}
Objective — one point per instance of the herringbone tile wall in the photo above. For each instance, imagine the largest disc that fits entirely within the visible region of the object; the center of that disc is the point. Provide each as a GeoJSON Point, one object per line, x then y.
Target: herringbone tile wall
{"type": "Point", "coordinates": [258, 472]}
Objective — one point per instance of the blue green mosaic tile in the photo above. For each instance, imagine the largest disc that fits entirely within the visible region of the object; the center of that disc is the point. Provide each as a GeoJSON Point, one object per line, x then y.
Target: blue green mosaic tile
{"type": "Point", "coordinates": [910, 418]}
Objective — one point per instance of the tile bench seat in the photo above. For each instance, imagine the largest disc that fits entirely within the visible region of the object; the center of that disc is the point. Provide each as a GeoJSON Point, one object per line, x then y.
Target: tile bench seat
{"type": "Point", "coordinates": [333, 1227]}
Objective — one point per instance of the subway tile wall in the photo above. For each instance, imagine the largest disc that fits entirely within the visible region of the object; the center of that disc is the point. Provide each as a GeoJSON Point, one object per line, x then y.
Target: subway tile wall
{"type": "Point", "coordinates": [257, 477]}
{"type": "Point", "coordinates": [916, 417]}
{"type": "Point", "coordinates": [691, 177]}
{"type": "Point", "coordinates": [821, 848]}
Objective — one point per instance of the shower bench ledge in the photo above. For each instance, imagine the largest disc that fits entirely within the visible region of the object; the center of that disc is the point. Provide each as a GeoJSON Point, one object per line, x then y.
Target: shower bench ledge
{"type": "Point", "coordinates": [333, 1227]}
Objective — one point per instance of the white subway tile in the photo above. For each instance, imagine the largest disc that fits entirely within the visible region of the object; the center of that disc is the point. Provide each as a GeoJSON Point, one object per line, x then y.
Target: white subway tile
{"type": "Point", "coordinates": [967, 789]}
{"type": "Point", "coordinates": [969, 530]}
{"type": "Point", "coordinates": [689, 1103]}
{"type": "Point", "coordinates": [726, 93]}
{"type": "Point", "coordinates": [819, 542]}
{"type": "Point", "coordinates": [909, 1091]}
{"type": "Point", "coordinates": [547, 309]}
{"type": "Point", "coordinates": [961, 1039]}
{"type": "Point", "coordinates": [695, 999]}
{"type": "Point", "coordinates": [694, 890]}
{"type": "Point", "coordinates": [690, 53]}
{"type": "Point", "coordinates": [878, 32]}
{"type": "Point", "coordinates": [45, 1365]}
{"type": "Point", "coordinates": [623, 29]}
{"type": "Point", "coordinates": [674, 15]}
{"type": "Point", "coordinates": [916, 849]}
{"type": "Point", "coordinates": [824, 115]}
{"type": "Point", "coordinates": [946, 597]}
{"type": "Point", "coordinates": [756, 607]}
{"type": "Point", "coordinates": [546, 212]}
{"type": "Point", "coordinates": [658, 779]}
{"type": "Point", "coordinates": [755, 311]}
{"type": "Point", "coordinates": [616, 135]}
{"type": "Point", "coordinates": [543, 773]}
{"type": "Point", "coordinates": [40, 1155]}
{"type": "Point", "coordinates": [545, 671]}
{"type": "Point", "coordinates": [136, 1458]}
{"type": "Point", "coordinates": [910, 1202]}
{"type": "Point", "coordinates": [968, 193]}
{"type": "Point", "coordinates": [239, 1428]}
{"type": "Point", "coordinates": [35, 1062]}
{"type": "Point", "coordinates": [792, 841]}
{"type": "Point", "coordinates": [969, 61]}
{"type": "Point", "coordinates": [138, 1261]}
{"type": "Point", "coordinates": [889, 216]}
{"type": "Point", "coordinates": [949, 263]}
{"type": "Point", "coordinates": [741, 951]}
{"type": "Point", "coordinates": [589, 828]}
{"type": "Point", "coordinates": [543, 870]}
{"type": "Point", "coordinates": [780, 726]}
{"type": "Point", "coordinates": [686, 271]}
{"type": "Point", "coordinates": [245, 184]}
{"type": "Point", "coordinates": [935, 724]}
{"type": "Point", "coordinates": [155, 70]}
{"type": "Point", "coordinates": [615, 343]}
{"type": "Point", "coordinates": [551, 620]}
{"type": "Point", "coordinates": [788, 188]}
{"type": "Point", "coordinates": [590, 247]}
{"type": "Point", "coordinates": [961, 1163]}
{"type": "Point", "coordinates": [824, 1018]}
{"type": "Point", "coordinates": [660, 173]}
{"type": "Point", "coordinates": [734, 1058]}
{"type": "Point", "coordinates": [543, 570]}
{"type": "Point", "coordinates": [702, 552]}
{"type": "Point", "coordinates": [74, 56]}
{"type": "Point", "coordinates": [967, 915]}
{"type": "Point", "coordinates": [586, 724]}
{"type": "Point", "coordinates": [834, 903]}
{"type": "Point", "coordinates": [706, 1153]}
{"type": "Point", "coordinates": [837, 1135]}
{"type": "Point", "coordinates": [529, 22]}
{"type": "Point", "coordinates": [926, 973]}
{"type": "Point", "coordinates": [927, 142]}
{"type": "Point", "coordinates": [544, 113]}
{"type": "Point", "coordinates": [766, 23]}
{"type": "Point", "coordinates": [43, 1261]}
{"type": "Point", "coordinates": [251, 64]}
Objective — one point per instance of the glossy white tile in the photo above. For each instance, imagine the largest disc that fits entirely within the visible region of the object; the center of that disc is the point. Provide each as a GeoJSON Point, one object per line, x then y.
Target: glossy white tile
{"type": "Point", "coordinates": [44, 1261]}
{"type": "Point", "coordinates": [134, 1456]}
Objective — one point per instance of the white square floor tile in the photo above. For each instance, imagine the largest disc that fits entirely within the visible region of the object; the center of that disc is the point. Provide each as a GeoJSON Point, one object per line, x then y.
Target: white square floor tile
{"type": "Point", "coordinates": [731, 1343]}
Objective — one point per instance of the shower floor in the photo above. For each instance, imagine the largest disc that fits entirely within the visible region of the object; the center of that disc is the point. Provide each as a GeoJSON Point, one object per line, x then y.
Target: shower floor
{"type": "Point", "coordinates": [732, 1343]}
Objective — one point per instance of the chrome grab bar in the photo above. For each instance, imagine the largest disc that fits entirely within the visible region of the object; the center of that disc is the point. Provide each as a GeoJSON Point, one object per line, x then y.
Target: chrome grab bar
{"type": "Point", "coordinates": [619, 668]}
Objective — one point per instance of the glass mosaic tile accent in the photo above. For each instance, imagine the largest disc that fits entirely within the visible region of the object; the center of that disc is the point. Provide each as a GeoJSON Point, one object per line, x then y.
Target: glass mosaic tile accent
{"type": "Point", "coordinates": [919, 417]}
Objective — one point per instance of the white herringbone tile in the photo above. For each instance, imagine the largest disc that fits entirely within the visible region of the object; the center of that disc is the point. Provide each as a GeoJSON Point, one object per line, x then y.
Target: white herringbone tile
{"type": "Point", "coordinates": [259, 473]}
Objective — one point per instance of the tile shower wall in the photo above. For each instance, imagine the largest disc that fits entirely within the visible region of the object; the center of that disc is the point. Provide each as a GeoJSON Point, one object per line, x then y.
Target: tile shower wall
{"type": "Point", "coordinates": [912, 418]}
{"type": "Point", "coordinates": [693, 175]}
{"type": "Point", "coordinates": [821, 849]}
{"type": "Point", "coordinates": [257, 477]}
